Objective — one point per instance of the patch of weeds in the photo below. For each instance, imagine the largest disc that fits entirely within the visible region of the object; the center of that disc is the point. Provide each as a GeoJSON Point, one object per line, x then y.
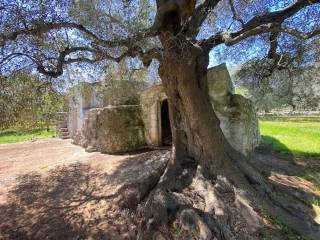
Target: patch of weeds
{"type": "Point", "coordinates": [284, 230]}
{"type": "Point", "coordinates": [316, 201]}
{"type": "Point", "coordinates": [177, 230]}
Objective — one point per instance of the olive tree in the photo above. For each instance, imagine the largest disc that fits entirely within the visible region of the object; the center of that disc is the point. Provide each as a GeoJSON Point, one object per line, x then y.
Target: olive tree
{"type": "Point", "coordinates": [26, 102]}
{"type": "Point", "coordinates": [292, 83]}
{"type": "Point", "coordinates": [179, 34]}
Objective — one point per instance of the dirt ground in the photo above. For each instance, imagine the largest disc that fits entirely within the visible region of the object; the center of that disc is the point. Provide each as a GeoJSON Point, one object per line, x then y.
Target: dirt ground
{"type": "Point", "coordinates": [52, 189]}
{"type": "Point", "coordinates": [41, 156]}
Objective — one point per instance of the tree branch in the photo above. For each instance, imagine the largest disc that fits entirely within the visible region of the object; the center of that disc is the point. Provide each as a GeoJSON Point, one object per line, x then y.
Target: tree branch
{"type": "Point", "coordinates": [200, 14]}
{"type": "Point", "coordinates": [98, 43]}
{"type": "Point", "coordinates": [236, 16]}
{"type": "Point", "coordinates": [146, 58]}
{"type": "Point", "coordinates": [277, 17]}
{"type": "Point", "coordinates": [11, 56]}
{"type": "Point", "coordinates": [269, 22]}
{"type": "Point", "coordinates": [272, 54]}
{"type": "Point", "coordinates": [234, 38]}
{"type": "Point", "coordinates": [61, 61]}
{"type": "Point", "coordinates": [44, 27]}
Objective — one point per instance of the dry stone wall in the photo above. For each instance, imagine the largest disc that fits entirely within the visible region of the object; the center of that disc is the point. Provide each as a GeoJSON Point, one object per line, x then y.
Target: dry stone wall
{"type": "Point", "coordinates": [97, 126]}
{"type": "Point", "coordinates": [112, 129]}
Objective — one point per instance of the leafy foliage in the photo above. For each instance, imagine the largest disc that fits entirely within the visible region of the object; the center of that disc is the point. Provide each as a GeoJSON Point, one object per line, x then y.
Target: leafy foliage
{"type": "Point", "coordinates": [293, 81]}
{"type": "Point", "coordinates": [27, 102]}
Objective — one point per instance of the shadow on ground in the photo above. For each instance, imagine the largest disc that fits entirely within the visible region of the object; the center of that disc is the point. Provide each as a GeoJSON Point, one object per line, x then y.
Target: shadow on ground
{"type": "Point", "coordinates": [271, 144]}
{"type": "Point", "coordinates": [73, 202]}
{"type": "Point", "coordinates": [296, 178]}
{"type": "Point", "coordinates": [77, 202]}
{"type": "Point", "coordinates": [276, 156]}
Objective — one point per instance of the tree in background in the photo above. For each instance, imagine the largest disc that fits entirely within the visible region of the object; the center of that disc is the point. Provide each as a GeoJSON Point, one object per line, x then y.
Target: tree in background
{"type": "Point", "coordinates": [26, 102]}
{"type": "Point", "coordinates": [179, 34]}
{"type": "Point", "coordinates": [293, 83]}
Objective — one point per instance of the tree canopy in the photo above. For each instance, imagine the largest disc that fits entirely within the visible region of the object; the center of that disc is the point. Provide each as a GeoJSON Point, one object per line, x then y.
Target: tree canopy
{"type": "Point", "coordinates": [49, 35]}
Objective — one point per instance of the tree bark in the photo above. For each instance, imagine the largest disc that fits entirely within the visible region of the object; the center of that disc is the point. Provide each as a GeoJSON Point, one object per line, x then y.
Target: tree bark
{"type": "Point", "coordinates": [221, 172]}
{"type": "Point", "coordinates": [225, 180]}
{"type": "Point", "coordinates": [195, 127]}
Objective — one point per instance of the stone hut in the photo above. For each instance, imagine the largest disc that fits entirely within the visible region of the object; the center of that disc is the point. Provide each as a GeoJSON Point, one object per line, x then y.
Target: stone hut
{"type": "Point", "coordinates": [128, 116]}
{"type": "Point", "coordinates": [236, 113]}
{"type": "Point", "coordinates": [153, 102]}
{"type": "Point", "coordinates": [106, 117]}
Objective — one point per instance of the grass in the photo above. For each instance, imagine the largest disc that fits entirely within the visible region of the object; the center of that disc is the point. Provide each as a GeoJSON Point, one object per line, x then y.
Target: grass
{"type": "Point", "coordinates": [283, 229]}
{"type": "Point", "coordinates": [241, 90]}
{"type": "Point", "coordinates": [295, 135]}
{"type": "Point", "coordinates": [10, 136]}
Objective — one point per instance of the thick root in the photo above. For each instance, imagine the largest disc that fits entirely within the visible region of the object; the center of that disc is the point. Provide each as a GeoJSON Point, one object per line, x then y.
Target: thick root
{"type": "Point", "coordinates": [212, 220]}
{"type": "Point", "coordinates": [263, 196]}
{"type": "Point", "coordinates": [231, 206]}
{"type": "Point", "coordinates": [190, 220]}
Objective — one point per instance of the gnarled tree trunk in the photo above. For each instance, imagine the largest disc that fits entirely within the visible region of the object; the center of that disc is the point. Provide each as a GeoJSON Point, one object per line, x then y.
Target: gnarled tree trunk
{"type": "Point", "coordinates": [204, 161]}
{"type": "Point", "coordinates": [195, 127]}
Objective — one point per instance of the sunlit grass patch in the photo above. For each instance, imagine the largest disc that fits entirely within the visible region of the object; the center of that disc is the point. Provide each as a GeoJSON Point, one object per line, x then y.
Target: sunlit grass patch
{"type": "Point", "coordinates": [241, 90]}
{"type": "Point", "coordinates": [297, 135]}
{"type": "Point", "coordinates": [11, 136]}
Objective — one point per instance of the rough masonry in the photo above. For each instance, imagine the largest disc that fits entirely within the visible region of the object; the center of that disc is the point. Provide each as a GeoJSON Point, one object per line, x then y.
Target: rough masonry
{"type": "Point", "coordinates": [128, 116]}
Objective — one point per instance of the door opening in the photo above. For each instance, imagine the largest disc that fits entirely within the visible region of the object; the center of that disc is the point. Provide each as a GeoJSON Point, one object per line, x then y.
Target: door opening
{"type": "Point", "coordinates": [166, 134]}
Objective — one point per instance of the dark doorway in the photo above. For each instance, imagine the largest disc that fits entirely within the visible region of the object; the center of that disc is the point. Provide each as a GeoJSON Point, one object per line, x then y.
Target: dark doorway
{"type": "Point", "coordinates": [166, 135]}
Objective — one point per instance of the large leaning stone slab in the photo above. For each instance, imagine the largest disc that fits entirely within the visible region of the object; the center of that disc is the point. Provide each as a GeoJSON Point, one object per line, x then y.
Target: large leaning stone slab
{"type": "Point", "coordinates": [219, 82]}
{"type": "Point", "coordinates": [237, 115]}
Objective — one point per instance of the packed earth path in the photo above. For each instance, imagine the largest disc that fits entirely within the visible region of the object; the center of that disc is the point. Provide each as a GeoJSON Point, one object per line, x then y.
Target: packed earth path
{"type": "Point", "coordinates": [52, 189]}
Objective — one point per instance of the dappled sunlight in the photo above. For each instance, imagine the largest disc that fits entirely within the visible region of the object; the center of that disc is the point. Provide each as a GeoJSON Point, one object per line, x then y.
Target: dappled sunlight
{"type": "Point", "coordinates": [73, 201]}
{"type": "Point", "coordinates": [316, 209]}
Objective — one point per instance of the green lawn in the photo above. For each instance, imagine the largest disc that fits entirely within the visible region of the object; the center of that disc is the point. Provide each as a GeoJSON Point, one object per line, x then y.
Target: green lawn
{"type": "Point", "coordinates": [15, 136]}
{"type": "Point", "coordinates": [298, 135]}
{"type": "Point", "coordinates": [241, 90]}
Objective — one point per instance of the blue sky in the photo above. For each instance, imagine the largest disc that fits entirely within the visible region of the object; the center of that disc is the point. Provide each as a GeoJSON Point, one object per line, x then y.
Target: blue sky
{"type": "Point", "coordinates": [306, 20]}
{"type": "Point", "coordinates": [257, 47]}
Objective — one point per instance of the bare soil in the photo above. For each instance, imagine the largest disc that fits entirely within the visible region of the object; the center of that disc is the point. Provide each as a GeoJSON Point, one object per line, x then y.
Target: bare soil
{"type": "Point", "coordinates": [52, 189]}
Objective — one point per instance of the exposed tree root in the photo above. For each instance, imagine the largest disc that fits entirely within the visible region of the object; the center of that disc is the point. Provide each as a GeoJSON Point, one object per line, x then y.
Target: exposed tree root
{"type": "Point", "coordinates": [232, 205]}
{"type": "Point", "coordinates": [283, 205]}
